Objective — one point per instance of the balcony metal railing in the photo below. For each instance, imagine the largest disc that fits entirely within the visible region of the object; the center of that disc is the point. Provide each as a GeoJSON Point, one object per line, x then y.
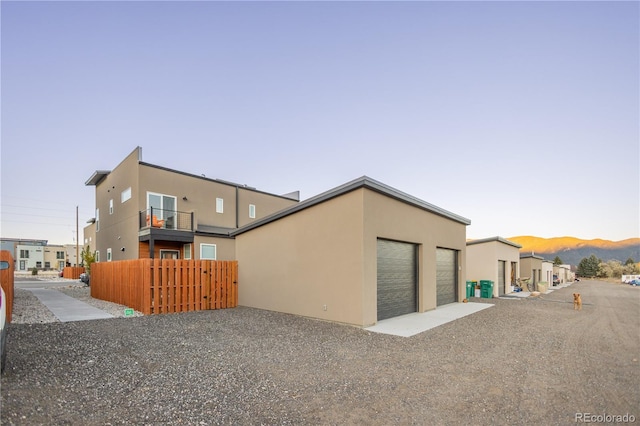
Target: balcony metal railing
{"type": "Point", "coordinates": [166, 219]}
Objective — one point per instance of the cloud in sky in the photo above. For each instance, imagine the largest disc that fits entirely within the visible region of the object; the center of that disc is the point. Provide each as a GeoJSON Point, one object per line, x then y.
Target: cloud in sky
{"type": "Point", "coordinates": [521, 116]}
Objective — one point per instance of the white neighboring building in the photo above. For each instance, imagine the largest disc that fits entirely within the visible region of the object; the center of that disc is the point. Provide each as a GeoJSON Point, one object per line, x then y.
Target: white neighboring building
{"type": "Point", "coordinates": [29, 257]}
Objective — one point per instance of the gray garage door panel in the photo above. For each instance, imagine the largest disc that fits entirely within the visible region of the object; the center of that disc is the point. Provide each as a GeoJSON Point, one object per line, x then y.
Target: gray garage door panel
{"type": "Point", "coordinates": [446, 276]}
{"type": "Point", "coordinates": [501, 276]}
{"type": "Point", "coordinates": [397, 278]}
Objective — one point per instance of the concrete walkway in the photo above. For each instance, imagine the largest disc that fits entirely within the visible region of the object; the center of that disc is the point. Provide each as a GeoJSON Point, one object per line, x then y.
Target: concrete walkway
{"type": "Point", "coordinates": [411, 324]}
{"type": "Point", "coordinates": [66, 308]}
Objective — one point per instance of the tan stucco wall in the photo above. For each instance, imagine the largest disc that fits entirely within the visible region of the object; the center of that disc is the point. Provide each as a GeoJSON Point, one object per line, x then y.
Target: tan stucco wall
{"type": "Point", "coordinates": [326, 255]}
{"type": "Point", "coordinates": [225, 247]}
{"type": "Point", "coordinates": [547, 272]}
{"type": "Point", "coordinates": [305, 261]}
{"type": "Point", "coordinates": [201, 195]}
{"type": "Point", "coordinates": [390, 219]}
{"type": "Point", "coordinates": [482, 262]}
{"type": "Point", "coordinates": [89, 237]}
{"type": "Point", "coordinates": [119, 229]}
{"type": "Point", "coordinates": [527, 267]}
{"type": "Point", "coordinates": [50, 255]}
{"type": "Point", "coordinates": [266, 204]}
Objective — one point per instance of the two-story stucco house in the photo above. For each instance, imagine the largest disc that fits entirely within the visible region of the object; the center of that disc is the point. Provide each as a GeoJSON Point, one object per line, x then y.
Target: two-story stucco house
{"type": "Point", "coordinates": [149, 211]}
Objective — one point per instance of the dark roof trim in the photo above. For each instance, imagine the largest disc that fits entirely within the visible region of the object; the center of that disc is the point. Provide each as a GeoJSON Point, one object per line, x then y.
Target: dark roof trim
{"type": "Point", "coordinates": [363, 182]}
{"type": "Point", "coordinates": [222, 182]}
{"type": "Point", "coordinates": [491, 239]}
{"type": "Point", "coordinates": [527, 255]}
{"type": "Point", "coordinates": [97, 177]}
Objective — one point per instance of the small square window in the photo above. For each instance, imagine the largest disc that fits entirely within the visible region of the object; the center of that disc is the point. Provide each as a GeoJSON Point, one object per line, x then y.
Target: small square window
{"type": "Point", "coordinates": [108, 255]}
{"type": "Point", "coordinates": [207, 251]}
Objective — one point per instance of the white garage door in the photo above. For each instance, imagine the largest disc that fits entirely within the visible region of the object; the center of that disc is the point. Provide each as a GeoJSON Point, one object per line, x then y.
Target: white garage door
{"type": "Point", "coordinates": [446, 276]}
{"type": "Point", "coordinates": [397, 283]}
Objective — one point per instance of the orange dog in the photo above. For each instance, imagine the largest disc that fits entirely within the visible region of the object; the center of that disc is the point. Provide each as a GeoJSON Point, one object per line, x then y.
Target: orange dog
{"type": "Point", "coordinates": [577, 301]}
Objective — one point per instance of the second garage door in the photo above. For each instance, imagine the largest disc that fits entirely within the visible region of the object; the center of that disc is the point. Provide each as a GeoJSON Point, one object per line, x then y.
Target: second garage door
{"type": "Point", "coordinates": [446, 276]}
{"type": "Point", "coordinates": [397, 279]}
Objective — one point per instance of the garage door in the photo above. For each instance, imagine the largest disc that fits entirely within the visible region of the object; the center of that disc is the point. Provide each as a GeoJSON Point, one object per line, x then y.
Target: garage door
{"type": "Point", "coordinates": [501, 276]}
{"type": "Point", "coordinates": [397, 272]}
{"type": "Point", "coordinates": [446, 276]}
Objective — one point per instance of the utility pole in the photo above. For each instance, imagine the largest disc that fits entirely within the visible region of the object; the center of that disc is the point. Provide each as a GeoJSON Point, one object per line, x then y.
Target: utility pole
{"type": "Point", "coordinates": [77, 243]}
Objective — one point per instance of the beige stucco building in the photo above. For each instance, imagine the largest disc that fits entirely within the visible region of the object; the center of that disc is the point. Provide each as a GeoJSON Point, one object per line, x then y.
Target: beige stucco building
{"type": "Point", "coordinates": [356, 254]}
{"type": "Point", "coordinates": [54, 257]}
{"type": "Point", "coordinates": [494, 259]}
{"type": "Point", "coordinates": [149, 211]}
{"type": "Point", "coordinates": [531, 267]}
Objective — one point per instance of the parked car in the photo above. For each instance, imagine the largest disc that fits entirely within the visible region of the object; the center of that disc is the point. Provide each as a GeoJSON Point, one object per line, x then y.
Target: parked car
{"type": "Point", "coordinates": [635, 282]}
{"type": "Point", "coordinates": [84, 277]}
{"type": "Point", "coordinates": [3, 328]}
{"type": "Point", "coordinates": [556, 280]}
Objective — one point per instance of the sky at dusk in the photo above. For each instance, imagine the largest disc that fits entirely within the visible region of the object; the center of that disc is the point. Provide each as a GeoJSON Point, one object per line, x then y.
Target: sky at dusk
{"type": "Point", "coordinates": [520, 116]}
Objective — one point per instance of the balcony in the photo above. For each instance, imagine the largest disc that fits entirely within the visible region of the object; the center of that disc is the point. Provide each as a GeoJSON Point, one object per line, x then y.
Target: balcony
{"type": "Point", "coordinates": [169, 225]}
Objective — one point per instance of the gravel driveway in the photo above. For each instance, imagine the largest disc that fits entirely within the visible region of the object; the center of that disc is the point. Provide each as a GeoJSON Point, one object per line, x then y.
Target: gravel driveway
{"type": "Point", "coordinates": [525, 361]}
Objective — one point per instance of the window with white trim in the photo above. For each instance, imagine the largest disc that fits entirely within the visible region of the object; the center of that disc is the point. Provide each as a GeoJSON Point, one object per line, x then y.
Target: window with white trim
{"type": "Point", "coordinates": [97, 256]}
{"type": "Point", "coordinates": [108, 255]}
{"type": "Point", "coordinates": [125, 195]}
{"type": "Point", "coordinates": [219, 205]}
{"type": "Point", "coordinates": [252, 211]}
{"type": "Point", "coordinates": [111, 206]}
{"type": "Point", "coordinates": [97, 220]}
{"type": "Point", "coordinates": [186, 251]}
{"type": "Point", "coordinates": [207, 251]}
{"type": "Point", "coordinates": [164, 210]}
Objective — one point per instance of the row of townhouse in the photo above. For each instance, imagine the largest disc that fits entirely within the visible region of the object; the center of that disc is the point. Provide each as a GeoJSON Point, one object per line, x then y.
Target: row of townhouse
{"type": "Point", "coordinates": [357, 254]}
{"type": "Point", "coordinates": [29, 254]}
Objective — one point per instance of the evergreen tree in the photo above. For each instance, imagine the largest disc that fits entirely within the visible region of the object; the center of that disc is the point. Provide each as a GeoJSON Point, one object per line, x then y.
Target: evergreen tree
{"type": "Point", "coordinates": [557, 261]}
{"type": "Point", "coordinates": [630, 261]}
{"type": "Point", "coordinates": [588, 266]}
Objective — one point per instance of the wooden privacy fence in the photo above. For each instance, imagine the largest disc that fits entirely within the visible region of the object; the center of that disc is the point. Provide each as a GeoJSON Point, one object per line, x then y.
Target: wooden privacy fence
{"type": "Point", "coordinates": [155, 286]}
{"type": "Point", "coordinates": [6, 280]}
{"type": "Point", "coordinates": [72, 272]}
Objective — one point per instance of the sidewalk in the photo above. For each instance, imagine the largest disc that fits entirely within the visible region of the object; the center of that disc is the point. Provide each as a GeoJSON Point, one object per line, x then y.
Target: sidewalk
{"type": "Point", "coordinates": [66, 308]}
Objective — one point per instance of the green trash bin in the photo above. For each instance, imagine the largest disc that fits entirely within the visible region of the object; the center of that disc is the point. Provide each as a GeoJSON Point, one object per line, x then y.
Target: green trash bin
{"type": "Point", "coordinates": [486, 289]}
{"type": "Point", "coordinates": [471, 286]}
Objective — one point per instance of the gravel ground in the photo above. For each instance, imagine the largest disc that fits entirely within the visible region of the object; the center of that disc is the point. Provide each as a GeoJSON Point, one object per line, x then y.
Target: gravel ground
{"type": "Point", "coordinates": [524, 361]}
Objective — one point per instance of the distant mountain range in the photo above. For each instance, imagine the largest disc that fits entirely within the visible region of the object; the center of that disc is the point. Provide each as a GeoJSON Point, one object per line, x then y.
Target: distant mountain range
{"type": "Point", "coordinates": [572, 250]}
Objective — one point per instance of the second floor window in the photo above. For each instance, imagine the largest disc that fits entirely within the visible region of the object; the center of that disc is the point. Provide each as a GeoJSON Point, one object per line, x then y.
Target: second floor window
{"type": "Point", "coordinates": [24, 254]}
{"type": "Point", "coordinates": [252, 211]}
{"type": "Point", "coordinates": [164, 210]}
{"type": "Point", "coordinates": [219, 205]}
{"type": "Point", "coordinates": [59, 255]}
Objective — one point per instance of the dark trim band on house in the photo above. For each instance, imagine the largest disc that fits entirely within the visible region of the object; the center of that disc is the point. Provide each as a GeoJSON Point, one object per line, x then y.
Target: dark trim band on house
{"type": "Point", "coordinates": [362, 182]}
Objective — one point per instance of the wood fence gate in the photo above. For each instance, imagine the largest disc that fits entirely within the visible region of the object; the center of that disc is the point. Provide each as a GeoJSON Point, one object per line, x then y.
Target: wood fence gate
{"type": "Point", "coordinates": [155, 286]}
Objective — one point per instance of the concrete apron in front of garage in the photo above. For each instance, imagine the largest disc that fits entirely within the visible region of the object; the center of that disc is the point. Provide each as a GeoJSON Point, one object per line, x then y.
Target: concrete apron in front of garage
{"type": "Point", "coordinates": [412, 324]}
{"type": "Point", "coordinates": [66, 308]}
